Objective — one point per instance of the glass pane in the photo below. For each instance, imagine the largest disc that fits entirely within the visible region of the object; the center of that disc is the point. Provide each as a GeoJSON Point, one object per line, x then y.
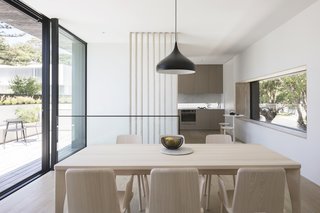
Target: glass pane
{"type": "Point", "coordinates": [283, 101]}
{"type": "Point", "coordinates": [20, 96]}
{"type": "Point", "coordinates": [71, 95]}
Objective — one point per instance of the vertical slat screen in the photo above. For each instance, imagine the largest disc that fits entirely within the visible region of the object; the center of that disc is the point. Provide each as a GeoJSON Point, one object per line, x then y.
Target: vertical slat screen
{"type": "Point", "coordinates": [151, 93]}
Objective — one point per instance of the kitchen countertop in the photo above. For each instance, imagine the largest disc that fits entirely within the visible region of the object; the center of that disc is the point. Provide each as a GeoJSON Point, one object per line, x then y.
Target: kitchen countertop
{"type": "Point", "coordinates": [199, 106]}
{"type": "Point", "coordinates": [193, 108]}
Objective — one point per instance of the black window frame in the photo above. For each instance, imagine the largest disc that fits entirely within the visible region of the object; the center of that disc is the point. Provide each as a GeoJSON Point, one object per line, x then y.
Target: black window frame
{"type": "Point", "coordinates": [55, 89]}
{"type": "Point", "coordinates": [48, 44]}
{"type": "Point", "coordinates": [45, 94]}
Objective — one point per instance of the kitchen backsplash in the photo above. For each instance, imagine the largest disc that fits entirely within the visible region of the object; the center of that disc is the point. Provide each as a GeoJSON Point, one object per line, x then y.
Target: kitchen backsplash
{"type": "Point", "coordinates": [200, 98]}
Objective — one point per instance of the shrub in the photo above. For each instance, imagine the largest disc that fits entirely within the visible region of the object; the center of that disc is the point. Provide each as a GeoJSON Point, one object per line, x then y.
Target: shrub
{"type": "Point", "coordinates": [18, 100]}
{"type": "Point", "coordinates": [28, 115]}
{"type": "Point", "coordinates": [25, 86]}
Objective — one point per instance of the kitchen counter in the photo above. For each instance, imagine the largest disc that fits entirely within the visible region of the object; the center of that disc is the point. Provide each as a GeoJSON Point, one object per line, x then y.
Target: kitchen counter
{"type": "Point", "coordinates": [190, 108]}
{"type": "Point", "coordinates": [201, 119]}
{"type": "Point", "coordinates": [199, 106]}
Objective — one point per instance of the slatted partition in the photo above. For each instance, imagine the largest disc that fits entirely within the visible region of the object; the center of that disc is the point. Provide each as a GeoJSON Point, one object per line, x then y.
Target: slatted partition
{"type": "Point", "coordinates": [151, 93]}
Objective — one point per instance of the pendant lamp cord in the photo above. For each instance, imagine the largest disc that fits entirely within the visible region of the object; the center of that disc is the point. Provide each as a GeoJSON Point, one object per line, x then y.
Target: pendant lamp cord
{"type": "Point", "coordinates": [175, 28]}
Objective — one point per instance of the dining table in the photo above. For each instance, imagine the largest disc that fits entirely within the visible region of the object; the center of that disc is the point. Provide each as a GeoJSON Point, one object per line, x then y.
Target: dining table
{"type": "Point", "coordinates": [215, 159]}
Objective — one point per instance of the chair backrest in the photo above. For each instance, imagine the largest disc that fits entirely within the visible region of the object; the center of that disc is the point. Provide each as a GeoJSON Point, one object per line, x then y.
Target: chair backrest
{"type": "Point", "coordinates": [91, 190]}
{"type": "Point", "coordinates": [218, 138]}
{"type": "Point", "coordinates": [174, 190]}
{"type": "Point", "coordinates": [259, 190]}
{"type": "Point", "coordinates": [129, 139]}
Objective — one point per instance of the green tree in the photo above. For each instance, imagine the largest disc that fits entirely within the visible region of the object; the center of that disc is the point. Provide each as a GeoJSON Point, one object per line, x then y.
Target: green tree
{"type": "Point", "coordinates": [296, 93]}
{"type": "Point", "coordinates": [271, 94]}
{"type": "Point", "coordinates": [25, 86]}
{"type": "Point", "coordinates": [276, 93]}
{"type": "Point", "coordinates": [20, 54]}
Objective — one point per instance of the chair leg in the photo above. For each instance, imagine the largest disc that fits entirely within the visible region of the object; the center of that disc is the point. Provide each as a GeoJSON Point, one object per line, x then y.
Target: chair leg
{"type": "Point", "coordinates": [5, 135]}
{"type": "Point", "coordinates": [139, 190]}
{"type": "Point", "coordinates": [17, 132]}
{"type": "Point", "coordinates": [143, 188]}
{"type": "Point", "coordinates": [221, 207]}
{"type": "Point", "coordinates": [37, 132]}
{"type": "Point", "coordinates": [209, 189]}
{"type": "Point", "coordinates": [23, 132]}
{"type": "Point", "coordinates": [206, 186]}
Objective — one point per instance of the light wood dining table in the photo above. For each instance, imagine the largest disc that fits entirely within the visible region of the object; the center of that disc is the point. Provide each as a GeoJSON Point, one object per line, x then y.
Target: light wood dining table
{"type": "Point", "coordinates": [219, 159]}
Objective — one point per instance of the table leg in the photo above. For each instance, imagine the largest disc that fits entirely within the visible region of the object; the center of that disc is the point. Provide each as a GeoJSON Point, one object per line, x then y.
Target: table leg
{"type": "Point", "coordinates": [293, 180]}
{"type": "Point", "coordinates": [60, 190]}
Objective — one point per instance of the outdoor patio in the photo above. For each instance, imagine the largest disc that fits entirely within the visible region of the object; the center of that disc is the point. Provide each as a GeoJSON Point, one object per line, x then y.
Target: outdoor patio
{"type": "Point", "coordinates": [20, 159]}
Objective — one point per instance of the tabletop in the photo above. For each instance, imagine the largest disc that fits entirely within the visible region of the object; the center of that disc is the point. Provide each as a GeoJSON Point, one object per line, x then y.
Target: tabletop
{"type": "Point", "coordinates": [148, 156]}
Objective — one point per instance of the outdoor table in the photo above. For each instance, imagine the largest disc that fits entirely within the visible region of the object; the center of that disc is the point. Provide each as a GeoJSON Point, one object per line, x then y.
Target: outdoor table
{"type": "Point", "coordinates": [15, 122]}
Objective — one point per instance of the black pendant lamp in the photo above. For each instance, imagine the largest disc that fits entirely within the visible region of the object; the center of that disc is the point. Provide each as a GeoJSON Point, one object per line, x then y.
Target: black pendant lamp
{"type": "Point", "coordinates": [176, 63]}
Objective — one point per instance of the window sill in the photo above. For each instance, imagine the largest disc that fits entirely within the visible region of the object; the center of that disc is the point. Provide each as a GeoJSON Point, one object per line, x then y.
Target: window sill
{"type": "Point", "coordinates": [278, 128]}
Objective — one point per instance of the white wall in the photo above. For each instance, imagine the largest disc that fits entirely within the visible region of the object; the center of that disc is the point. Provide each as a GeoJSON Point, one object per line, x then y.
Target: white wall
{"type": "Point", "coordinates": [293, 44]}
{"type": "Point", "coordinates": [108, 89]}
{"type": "Point", "coordinates": [229, 86]}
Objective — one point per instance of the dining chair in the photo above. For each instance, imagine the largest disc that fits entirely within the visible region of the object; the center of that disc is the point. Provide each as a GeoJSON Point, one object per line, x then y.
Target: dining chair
{"type": "Point", "coordinates": [214, 139]}
{"type": "Point", "coordinates": [134, 139]}
{"type": "Point", "coordinates": [175, 190]}
{"type": "Point", "coordinates": [129, 139]}
{"type": "Point", "coordinates": [256, 190]}
{"type": "Point", "coordinates": [218, 139]}
{"type": "Point", "coordinates": [95, 190]}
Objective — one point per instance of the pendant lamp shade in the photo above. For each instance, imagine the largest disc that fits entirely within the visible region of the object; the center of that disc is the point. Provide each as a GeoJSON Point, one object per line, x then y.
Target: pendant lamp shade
{"type": "Point", "coordinates": [176, 63]}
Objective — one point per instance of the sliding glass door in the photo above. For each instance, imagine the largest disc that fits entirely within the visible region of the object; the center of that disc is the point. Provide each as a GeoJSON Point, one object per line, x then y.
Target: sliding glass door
{"type": "Point", "coordinates": [71, 94]}
{"type": "Point", "coordinates": [21, 97]}
{"type": "Point", "coordinates": [42, 94]}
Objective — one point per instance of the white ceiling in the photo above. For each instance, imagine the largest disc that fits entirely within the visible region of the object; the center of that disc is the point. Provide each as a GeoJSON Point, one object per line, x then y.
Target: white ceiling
{"type": "Point", "coordinates": [210, 31]}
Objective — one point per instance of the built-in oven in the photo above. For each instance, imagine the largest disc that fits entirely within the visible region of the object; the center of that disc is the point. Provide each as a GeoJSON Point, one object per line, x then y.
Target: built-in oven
{"type": "Point", "coordinates": [188, 116]}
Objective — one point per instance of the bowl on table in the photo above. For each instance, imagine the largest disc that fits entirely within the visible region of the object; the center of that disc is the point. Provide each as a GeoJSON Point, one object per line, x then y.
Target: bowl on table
{"type": "Point", "coordinates": [172, 141]}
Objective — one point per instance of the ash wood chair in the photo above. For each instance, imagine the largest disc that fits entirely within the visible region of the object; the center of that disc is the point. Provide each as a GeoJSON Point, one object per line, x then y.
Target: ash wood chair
{"type": "Point", "coordinates": [214, 139]}
{"type": "Point", "coordinates": [175, 190]}
{"type": "Point", "coordinates": [129, 139]}
{"type": "Point", "coordinates": [95, 190]}
{"type": "Point", "coordinates": [256, 190]}
{"type": "Point", "coordinates": [134, 139]}
{"type": "Point", "coordinates": [218, 139]}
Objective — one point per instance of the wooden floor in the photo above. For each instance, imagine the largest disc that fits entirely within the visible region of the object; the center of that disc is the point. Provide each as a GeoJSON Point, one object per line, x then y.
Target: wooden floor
{"type": "Point", "coordinates": [38, 196]}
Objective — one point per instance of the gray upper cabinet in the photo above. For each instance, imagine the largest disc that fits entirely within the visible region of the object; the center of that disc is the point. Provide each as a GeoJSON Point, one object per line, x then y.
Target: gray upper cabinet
{"type": "Point", "coordinates": [215, 79]}
{"type": "Point", "coordinates": [186, 84]}
{"type": "Point", "coordinates": [207, 79]}
{"type": "Point", "coordinates": [201, 79]}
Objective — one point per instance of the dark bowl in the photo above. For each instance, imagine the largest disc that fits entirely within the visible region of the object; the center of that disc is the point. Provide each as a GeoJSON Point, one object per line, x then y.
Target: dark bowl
{"type": "Point", "coordinates": [172, 142]}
